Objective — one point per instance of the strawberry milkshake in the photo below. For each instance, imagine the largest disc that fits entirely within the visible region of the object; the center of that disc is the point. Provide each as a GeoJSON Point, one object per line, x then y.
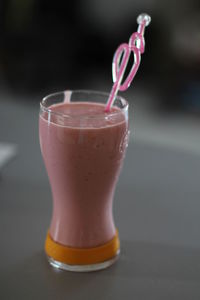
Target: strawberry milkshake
{"type": "Point", "coordinates": [83, 148]}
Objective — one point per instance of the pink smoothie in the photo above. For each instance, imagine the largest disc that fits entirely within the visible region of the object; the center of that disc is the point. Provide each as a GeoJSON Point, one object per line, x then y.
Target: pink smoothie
{"type": "Point", "coordinates": [83, 153]}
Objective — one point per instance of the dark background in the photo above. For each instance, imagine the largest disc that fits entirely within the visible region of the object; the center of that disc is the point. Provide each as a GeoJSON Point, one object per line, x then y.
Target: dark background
{"type": "Point", "coordinates": [46, 46]}
{"type": "Point", "coordinates": [50, 45]}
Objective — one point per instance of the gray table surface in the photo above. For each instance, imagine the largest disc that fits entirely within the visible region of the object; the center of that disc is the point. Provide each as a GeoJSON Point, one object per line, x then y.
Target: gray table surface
{"type": "Point", "coordinates": [156, 209]}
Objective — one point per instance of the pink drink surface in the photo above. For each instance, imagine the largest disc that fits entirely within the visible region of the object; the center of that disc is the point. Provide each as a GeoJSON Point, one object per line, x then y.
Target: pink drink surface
{"type": "Point", "coordinates": [83, 156]}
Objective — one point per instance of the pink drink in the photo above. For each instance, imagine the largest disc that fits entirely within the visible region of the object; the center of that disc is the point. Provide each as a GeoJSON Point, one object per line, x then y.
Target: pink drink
{"type": "Point", "coordinates": [83, 149]}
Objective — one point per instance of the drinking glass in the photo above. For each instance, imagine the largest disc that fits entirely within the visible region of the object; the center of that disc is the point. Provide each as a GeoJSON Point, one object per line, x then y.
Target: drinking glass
{"type": "Point", "coordinates": [83, 152]}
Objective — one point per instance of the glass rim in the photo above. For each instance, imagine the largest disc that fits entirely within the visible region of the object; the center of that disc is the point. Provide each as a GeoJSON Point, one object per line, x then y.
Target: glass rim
{"type": "Point", "coordinates": [105, 94]}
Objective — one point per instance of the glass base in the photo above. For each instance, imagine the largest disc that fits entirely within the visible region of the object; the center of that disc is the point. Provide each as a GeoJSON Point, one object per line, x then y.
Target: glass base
{"type": "Point", "coordinates": [83, 268]}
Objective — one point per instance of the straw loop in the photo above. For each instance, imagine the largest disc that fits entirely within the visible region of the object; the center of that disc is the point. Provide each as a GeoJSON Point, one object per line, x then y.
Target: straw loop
{"type": "Point", "coordinates": [136, 42]}
{"type": "Point", "coordinates": [121, 58]}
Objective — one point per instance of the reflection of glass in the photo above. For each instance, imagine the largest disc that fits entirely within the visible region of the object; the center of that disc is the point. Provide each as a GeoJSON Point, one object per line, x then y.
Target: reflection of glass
{"type": "Point", "coordinates": [83, 149]}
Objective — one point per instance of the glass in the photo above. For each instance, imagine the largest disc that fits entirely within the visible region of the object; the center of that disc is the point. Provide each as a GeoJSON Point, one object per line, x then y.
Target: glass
{"type": "Point", "coordinates": [83, 150]}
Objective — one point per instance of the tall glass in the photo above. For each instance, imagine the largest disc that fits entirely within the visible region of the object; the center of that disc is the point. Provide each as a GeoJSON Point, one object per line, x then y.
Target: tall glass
{"type": "Point", "coordinates": [83, 150]}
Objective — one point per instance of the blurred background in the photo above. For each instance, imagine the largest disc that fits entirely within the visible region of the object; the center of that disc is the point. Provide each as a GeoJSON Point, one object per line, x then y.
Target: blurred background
{"type": "Point", "coordinates": [46, 46]}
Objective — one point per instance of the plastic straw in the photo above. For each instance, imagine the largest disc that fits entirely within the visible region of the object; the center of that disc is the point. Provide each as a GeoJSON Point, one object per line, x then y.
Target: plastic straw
{"type": "Point", "coordinates": [121, 58]}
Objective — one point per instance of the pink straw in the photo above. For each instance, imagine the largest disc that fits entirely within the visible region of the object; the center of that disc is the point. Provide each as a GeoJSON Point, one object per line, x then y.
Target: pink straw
{"type": "Point", "coordinates": [136, 44]}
